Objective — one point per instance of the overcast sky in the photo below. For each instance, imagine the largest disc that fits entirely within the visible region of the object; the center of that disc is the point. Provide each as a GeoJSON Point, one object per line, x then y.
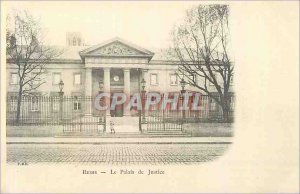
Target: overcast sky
{"type": "Point", "coordinates": [147, 24]}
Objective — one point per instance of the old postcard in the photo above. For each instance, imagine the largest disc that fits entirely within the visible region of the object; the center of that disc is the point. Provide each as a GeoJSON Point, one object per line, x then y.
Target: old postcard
{"type": "Point", "coordinates": [149, 97]}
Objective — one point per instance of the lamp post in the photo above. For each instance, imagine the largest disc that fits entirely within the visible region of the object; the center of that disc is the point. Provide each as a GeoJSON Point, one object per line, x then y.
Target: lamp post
{"type": "Point", "coordinates": [101, 86]}
{"type": "Point", "coordinates": [182, 84]}
{"type": "Point", "coordinates": [142, 115]}
{"type": "Point", "coordinates": [61, 94]}
{"type": "Point", "coordinates": [143, 84]}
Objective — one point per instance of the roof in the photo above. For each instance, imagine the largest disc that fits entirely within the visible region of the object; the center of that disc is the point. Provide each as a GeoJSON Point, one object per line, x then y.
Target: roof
{"type": "Point", "coordinates": [72, 53]}
{"type": "Point", "coordinates": [116, 39]}
{"type": "Point", "coordinates": [115, 47]}
{"type": "Point", "coordinates": [163, 55]}
{"type": "Point", "coordinates": [112, 48]}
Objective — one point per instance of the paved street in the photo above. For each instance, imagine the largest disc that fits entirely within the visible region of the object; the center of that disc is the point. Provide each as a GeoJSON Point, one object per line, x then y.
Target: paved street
{"type": "Point", "coordinates": [115, 154]}
{"type": "Point", "coordinates": [113, 139]}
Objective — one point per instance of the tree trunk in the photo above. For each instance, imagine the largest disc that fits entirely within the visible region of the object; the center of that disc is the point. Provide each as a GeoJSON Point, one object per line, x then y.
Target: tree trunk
{"type": "Point", "coordinates": [225, 110]}
{"type": "Point", "coordinates": [225, 115]}
{"type": "Point", "coordinates": [19, 106]}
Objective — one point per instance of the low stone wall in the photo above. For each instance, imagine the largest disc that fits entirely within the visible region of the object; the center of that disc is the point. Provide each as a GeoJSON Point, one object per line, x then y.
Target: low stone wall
{"type": "Point", "coordinates": [209, 129]}
{"type": "Point", "coordinates": [34, 131]}
{"type": "Point", "coordinates": [195, 129]}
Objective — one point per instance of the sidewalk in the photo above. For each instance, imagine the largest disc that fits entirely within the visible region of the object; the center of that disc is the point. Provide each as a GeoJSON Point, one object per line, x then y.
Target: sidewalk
{"type": "Point", "coordinates": [95, 140]}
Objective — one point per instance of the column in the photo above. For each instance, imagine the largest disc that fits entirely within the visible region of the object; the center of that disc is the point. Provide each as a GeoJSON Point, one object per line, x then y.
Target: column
{"type": "Point", "coordinates": [143, 94]}
{"type": "Point", "coordinates": [88, 91]}
{"type": "Point", "coordinates": [146, 78]}
{"type": "Point", "coordinates": [106, 87]}
{"type": "Point", "coordinates": [88, 82]}
{"type": "Point", "coordinates": [127, 89]}
{"type": "Point", "coordinates": [106, 80]}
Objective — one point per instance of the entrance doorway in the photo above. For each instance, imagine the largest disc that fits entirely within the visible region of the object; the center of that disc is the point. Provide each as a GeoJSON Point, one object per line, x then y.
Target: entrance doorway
{"type": "Point", "coordinates": [121, 123]}
{"type": "Point", "coordinates": [118, 111]}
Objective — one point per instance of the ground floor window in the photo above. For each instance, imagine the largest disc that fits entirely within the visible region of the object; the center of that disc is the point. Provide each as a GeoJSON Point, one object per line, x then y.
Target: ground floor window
{"type": "Point", "coordinates": [231, 103]}
{"type": "Point", "coordinates": [76, 104]}
{"type": "Point", "coordinates": [212, 104]}
{"type": "Point", "coordinates": [34, 103]}
{"type": "Point", "coordinates": [55, 105]}
{"type": "Point", "coordinates": [13, 103]}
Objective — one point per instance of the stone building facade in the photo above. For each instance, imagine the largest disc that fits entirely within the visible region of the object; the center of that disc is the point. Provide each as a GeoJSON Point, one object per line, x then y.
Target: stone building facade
{"type": "Point", "coordinates": [112, 66]}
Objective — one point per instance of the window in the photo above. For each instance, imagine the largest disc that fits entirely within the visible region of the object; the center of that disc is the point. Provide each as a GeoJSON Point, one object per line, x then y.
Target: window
{"type": "Point", "coordinates": [153, 79]}
{"type": "Point", "coordinates": [191, 78]}
{"type": "Point", "coordinates": [210, 83]}
{"type": "Point", "coordinates": [56, 78]}
{"type": "Point", "coordinates": [74, 41]}
{"type": "Point", "coordinates": [55, 101]}
{"type": "Point", "coordinates": [36, 78]}
{"type": "Point", "coordinates": [198, 80]}
{"type": "Point", "coordinates": [13, 103]}
{"type": "Point", "coordinates": [173, 80]}
{"type": "Point", "coordinates": [14, 78]}
{"type": "Point", "coordinates": [212, 104]}
{"type": "Point", "coordinates": [77, 104]}
{"type": "Point", "coordinates": [34, 103]}
{"type": "Point", "coordinates": [55, 104]}
{"type": "Point", "coordinates": [231, 103]}
{"type": "Point", "coordinates": [77, 79]}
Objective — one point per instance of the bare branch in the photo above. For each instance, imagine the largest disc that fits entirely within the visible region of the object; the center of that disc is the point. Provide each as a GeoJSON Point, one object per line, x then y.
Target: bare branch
{"type": "Point", "coordinates": [201, 45]}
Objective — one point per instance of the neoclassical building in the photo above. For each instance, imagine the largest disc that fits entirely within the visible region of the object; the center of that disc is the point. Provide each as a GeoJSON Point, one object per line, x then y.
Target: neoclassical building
{"type": "Point", "coordinates": [112, 66]}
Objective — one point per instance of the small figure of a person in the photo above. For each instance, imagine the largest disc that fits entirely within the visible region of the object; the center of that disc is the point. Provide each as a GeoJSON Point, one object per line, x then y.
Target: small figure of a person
{"type": "Point", "coordinates": [112, 128]}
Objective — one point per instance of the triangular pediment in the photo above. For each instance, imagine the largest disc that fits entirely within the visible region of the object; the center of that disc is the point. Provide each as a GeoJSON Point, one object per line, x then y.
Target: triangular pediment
{"type": "Point", "coordinates": [116, 47]}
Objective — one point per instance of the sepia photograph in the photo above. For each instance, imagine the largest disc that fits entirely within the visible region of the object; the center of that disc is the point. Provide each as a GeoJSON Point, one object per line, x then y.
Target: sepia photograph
{"type": "Point", "coordinates": [91, 100]}
{"type": "Point", "coordinates": [149, 96]}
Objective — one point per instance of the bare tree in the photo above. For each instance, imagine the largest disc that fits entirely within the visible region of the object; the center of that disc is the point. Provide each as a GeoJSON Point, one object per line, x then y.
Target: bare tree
{"type": "Point", "coordinates": [201, 44]}
{"type": "Point", "coordinates": [26, 51]}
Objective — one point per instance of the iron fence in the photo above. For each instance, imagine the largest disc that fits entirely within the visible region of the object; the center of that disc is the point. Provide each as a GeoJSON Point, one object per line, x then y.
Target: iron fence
{"type": "Point", "coordinates": [74, 112]}
{"type": "Point", "coordinates": [158, 118]}
{"type": "Point", "coordinates": [77, 113]}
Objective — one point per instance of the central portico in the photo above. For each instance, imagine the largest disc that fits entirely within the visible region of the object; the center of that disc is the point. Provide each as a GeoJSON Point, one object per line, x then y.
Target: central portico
{"type": "Point", "coordinates": [115, 66]}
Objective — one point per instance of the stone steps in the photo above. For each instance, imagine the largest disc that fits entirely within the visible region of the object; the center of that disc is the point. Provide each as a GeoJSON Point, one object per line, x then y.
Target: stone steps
{"type": "Point", "coordinates": [123, 124]}
{"type": "Point", "coordinates": [124, 135]}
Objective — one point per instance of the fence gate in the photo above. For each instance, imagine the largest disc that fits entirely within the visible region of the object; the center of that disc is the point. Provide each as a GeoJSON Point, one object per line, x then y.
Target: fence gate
{"type": "Point", "coordinates": [162, 121]}
{"type": "Point", "coordinates": [80, 117]}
